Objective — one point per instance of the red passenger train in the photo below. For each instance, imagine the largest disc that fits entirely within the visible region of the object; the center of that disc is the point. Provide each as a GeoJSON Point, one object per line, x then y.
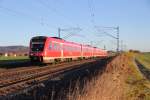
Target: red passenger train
{"type": "Point", "coordinates": [51, 49]}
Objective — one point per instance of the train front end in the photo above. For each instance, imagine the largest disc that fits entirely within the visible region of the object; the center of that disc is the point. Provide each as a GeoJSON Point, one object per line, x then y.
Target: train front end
{"type": "Point", "coordinates": [37, 45]}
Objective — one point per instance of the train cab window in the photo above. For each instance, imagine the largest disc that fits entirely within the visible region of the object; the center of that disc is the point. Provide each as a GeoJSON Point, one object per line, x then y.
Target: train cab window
{"type": "Point", "coordinates": [37, 44]}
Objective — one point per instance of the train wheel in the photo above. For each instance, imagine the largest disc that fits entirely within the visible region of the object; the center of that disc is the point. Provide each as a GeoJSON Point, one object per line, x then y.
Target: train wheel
{"type": "Point", "coordinates": [41, 59]}
{"type": "Point", "coordinates": [70, 59]}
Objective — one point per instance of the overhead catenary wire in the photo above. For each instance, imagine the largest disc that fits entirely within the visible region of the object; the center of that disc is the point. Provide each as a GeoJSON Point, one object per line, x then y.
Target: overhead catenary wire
{"type": "Point", "coordinates": [104, 31]}
{"type": "Point", "coordinates": [27, 16]}
{"type": "Point", "coordinates": [91, 10]}
{"type": "Point", "coordinates": [92, 15]}
{"type": "Point", "coordinates": [70, 33]}
{"type": "Point", "coordinates": [51, 9]}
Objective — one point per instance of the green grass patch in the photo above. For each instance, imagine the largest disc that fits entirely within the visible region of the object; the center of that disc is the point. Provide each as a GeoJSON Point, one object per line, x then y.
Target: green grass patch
{"type": "Point", "coordinates": [4, 59]}
{"type": "Point", "coordinates": [144, 58]}
{"type": "Point", "coordinates": [13, 58]}
{"type": "Point", "coordinates": [138, 88]}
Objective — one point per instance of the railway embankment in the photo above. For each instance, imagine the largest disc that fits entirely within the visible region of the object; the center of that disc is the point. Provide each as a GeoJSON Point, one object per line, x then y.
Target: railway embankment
{"type": "Point", "coordinates": [61, 81]}
{"type": "Point", "coordinates": [121, 80]}
{"type": "Point", "coordinates": [101, 79]}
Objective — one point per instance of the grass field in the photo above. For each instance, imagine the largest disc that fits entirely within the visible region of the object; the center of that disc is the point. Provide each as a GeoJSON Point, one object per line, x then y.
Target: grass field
{"type": "Point", "coordinates": [11, 59]}
{"type": "Point", "coordinates": [138, 87]}
{"type": "Point", "coordinates": [144, 59]}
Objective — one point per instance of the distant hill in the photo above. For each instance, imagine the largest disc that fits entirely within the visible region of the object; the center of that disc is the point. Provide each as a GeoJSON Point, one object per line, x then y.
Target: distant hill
{"type": "Point", "coordinates": [14, 49]}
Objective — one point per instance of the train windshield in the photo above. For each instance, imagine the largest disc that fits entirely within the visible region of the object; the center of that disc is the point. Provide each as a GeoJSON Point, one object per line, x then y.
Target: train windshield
{"type": "Point", "coordinates": [37, 44]}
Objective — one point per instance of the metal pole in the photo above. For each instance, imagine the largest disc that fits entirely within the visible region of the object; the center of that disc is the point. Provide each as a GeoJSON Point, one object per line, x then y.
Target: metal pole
{"type": "Point", "coordinates": [118, 39]}
{"type": "Point", "coordinates": [59, 32]}
{"type": "Point", "coordinates": [91, 43]}
{"type": "Point", "coordinates": [121, 45]}
{"type": "Point", "coordinates": [104, 47]}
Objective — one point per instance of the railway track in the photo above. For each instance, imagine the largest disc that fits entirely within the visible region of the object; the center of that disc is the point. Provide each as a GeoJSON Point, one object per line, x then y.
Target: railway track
{"type": "Point", "coordinates": [12, 73]}
{"type": "Point", "coordinates": [11, 82]}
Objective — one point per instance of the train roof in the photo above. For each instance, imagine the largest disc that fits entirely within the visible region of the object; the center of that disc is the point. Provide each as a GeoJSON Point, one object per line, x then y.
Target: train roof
{"type": "Point", "coordinates": [57, 38]}
{"type": "Point", "coordinates": [39, 37]}
{"type": "Point", "coordinates": [64, 41]}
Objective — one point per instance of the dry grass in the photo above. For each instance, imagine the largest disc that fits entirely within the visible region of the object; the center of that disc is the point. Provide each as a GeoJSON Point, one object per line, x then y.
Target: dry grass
{"type": "Point", "coordinates": [138, 88]}
{"type": "Point", "coordinates": [120, 81]}
{"type": "Point", "coordinates": [108, 86]}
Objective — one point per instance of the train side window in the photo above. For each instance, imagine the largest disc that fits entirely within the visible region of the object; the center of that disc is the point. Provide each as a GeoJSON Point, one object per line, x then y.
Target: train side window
{"type": "Point", "coordinates": [55, 46]}
{"type": "Point", "coordinates": [50, 45]}
{"type": "Point", "coordinates": [58, 46]}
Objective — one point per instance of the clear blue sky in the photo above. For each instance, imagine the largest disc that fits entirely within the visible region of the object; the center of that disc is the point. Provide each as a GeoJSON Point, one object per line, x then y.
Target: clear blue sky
{"type": "Point", "coordinates": [22, 19]}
